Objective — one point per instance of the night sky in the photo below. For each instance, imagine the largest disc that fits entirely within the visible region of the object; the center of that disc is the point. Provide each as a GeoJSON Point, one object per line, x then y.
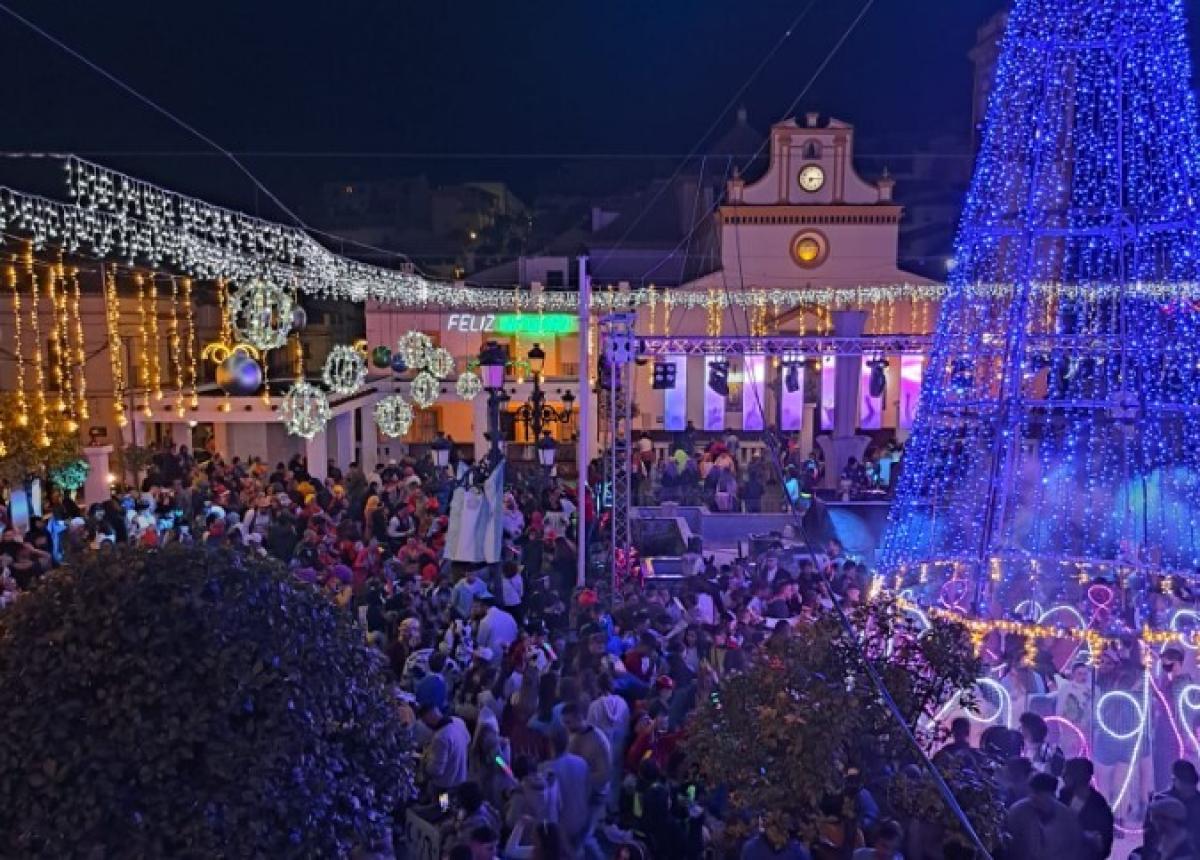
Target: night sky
{"type": "Point", "coordinates": [534, 78]}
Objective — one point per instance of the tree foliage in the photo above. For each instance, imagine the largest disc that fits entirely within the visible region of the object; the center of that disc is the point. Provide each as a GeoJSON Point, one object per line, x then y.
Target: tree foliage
{"type": "Point", "coordinates": [189, 703]}
{"type": "Point", "coordinates": [21, 438]}
{"type": "Point", "coordinates": [792, 732]}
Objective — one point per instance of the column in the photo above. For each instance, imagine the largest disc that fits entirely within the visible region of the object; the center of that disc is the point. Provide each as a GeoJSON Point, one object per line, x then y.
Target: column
{"type": "Point", "coordinates": [316, 450]}
{"type": "Point", "coordinates": [479, 424]}
{"type": "Point", "coordinates": [181, 434]}
{"type": "Point", "coordinates": [96, 488]}
{"type": "Point", "coordinates": [343, 440]}
{"type": "Point", "coordinates": [369, 445]}
{"type": "Point", "coordinates": [843, 443]}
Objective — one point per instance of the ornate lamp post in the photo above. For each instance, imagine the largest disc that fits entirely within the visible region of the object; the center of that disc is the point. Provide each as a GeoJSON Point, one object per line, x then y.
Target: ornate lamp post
{"type": "Point", "coordinates": [535, 414]}
{"type": "Point", "coordinates": [492, 362]}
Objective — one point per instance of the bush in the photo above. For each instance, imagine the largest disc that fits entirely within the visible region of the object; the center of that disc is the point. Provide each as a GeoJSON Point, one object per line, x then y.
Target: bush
{"type": "Point", "coordinates": [191, 703]}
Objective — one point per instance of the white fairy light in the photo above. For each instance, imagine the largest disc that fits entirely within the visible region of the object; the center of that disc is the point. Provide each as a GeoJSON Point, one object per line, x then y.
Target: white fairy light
{"type": "Point", "coordinates": [345, 370]}
{"type": "Point", "coordinates": [393, 416]}
{"type": "Point", "coordinates": [441, 362]}
{"type": "Point", "coordinates": [304, 410]}
{"type": "Point", "coordinates": [468, 385]}
{"type": "Point", "coordinates": [415, 348]}
{"type": "Point", "coordinates": [260, 314]}
{"type": "Point", "coordinates": [425, 389]}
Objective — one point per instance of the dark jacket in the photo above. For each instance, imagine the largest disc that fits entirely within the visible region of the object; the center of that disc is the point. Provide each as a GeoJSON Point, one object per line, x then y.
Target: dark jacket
{"type": "Point", "coordinates": [1095, 816]}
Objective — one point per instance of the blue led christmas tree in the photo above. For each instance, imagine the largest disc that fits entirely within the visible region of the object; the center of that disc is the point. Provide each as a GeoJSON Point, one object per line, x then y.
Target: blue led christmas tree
{"type": "Point", "coordinates": [1058, 437]}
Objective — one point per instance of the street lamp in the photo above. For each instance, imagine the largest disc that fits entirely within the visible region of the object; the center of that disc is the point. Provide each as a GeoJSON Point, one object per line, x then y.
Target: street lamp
{"type": "Point", "coordinates": [441, 447]}
{"type": "Point", "coordinates": [535, 414]}
{"type": "Point", "coordinates": [547, 448]}
{"type": "Point", "coordinates": [492, 363]}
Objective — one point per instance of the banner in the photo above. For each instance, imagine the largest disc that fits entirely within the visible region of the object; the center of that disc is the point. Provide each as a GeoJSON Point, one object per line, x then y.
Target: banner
{"type": "Point", "coordinates": [828, 391]}
{"type": "Point", "coordinates": [792, 402]}
{"type": "Point", "coordinates": [870, 409]}
{"type": "Point", "coordinates": [912, 371]}
{"type": "Point", "coordinates": [754, 392]}
{"type": "Point", "coordinates": [714, 404]}
{"type": "Point", "coordinates": [675, 399]}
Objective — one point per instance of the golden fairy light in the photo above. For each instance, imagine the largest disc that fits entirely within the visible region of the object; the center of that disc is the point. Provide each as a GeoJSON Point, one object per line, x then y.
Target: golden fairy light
{"type": "Point", "coordinates": [39, 371]}
{"type": "Point", "coordinates": [53, 274]}
{"type": "Point", "coordinates": [189, 342]}
{"type": "Point", "coordinates": [175, 359]}
{"type": "Point", "coordinates": [155, 351]}
{"type": "Point", "coordinates": [22, 404]}
{"type": "Point", "coordinates": [112, 314]}
{"type": "Point", "coordinates": [79, 348]}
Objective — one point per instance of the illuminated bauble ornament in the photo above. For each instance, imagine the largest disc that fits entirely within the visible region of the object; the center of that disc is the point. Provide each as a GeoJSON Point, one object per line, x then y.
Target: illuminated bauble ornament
{"type": "Point", "coordinates": [345, 370]}
{"type": "Point", "coordinates": [441, 362]}
{"type": "Point", "coordinates": [299, 318]}
{"type": "Point", "coordinates": [398, 365]}
{"type": "Point", "coordinates": [468, 385]}
{"type": "Point", "coordinates": [239, 375]}
{"type": "Point", "coordinates": [261, 314]}
{"type": "Point", "coordinates": [304, 410]}
{"type": "Point", "coordinates": [381, 357]}
{"type": "Point", "coordinates": [415, 348]}
{"type": "Point", "coordinates": [393, 415]}
{"type": "Point", "coordinates": [425, 389]}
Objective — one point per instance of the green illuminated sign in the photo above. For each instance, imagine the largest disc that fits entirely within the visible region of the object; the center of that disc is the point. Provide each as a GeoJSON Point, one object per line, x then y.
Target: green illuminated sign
{"type": "Point", "coordinates": [526, 325]}
{"type": "Point", "coordinates": [534, 325]}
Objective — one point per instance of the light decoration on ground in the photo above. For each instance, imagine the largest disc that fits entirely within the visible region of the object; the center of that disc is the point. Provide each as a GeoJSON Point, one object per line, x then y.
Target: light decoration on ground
{"type": "Point", "coordinates": [393, 415]}
{"type": "Point", "coordinates": [71, 476]}
{"type": "Point", "coordinates": [345, 370]}
{"type": "Point", "coordinates": [468, 385]}
{"type": "Point", "coordinates": [1060, 405]}
{"type": "Point", "coordinates": [424, 389]}
{"type": "Point", "coordinates": [414, 348]}
{"type": "Point", "coordinates": [441, 362]}
{"type": "Point", "coordinates": [260, 313]}
{"type": "Point", "coordinates": [304, 410]}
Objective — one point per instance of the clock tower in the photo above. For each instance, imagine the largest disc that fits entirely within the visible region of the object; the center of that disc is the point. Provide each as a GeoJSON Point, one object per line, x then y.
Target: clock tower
{"type": "Point", "coordinates": [810, 219]}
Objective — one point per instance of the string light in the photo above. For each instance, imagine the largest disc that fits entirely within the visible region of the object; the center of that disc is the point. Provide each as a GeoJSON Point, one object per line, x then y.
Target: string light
{"type": "Point", "coordinates": [155, 350]}
{"type": "Point", "coordinates": [424, 389]}
{"type": "Point", "coordinates": [414, 348]}
{"type": "Point", "coordinates": [80, 348]}
{"type": "Point", "coordinates": [468, 385]}
{"type": "Point", "coordinates": [116, 351]}
{"type": "Point", "coordinates": [57, 353]}
{"type": "Point", "coordinates": [189, 344]}
{"type": "Point", "coordinates": [260, 313]}
{"type": "Point", "coordinates": [441, 362]}
{"type": "Point", "coordinates": [393, 415]}
{"type": "Point", "coordinates": [176, 358]}
{"type": "Point", "coordinates": [39, 372]}
{"type": "Point", "coordinates": [1062, 393]}
{"type": "Point", "coordinates": [22, 403]}
{"type": "Point", "coordinates": [345, 370]}
{"type": "Point", "coordinates": [304, 410]}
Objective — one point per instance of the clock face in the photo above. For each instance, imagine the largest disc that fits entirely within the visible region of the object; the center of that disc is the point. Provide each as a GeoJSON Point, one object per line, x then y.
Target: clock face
{"type": "Point", "coordinates": [811, 177]}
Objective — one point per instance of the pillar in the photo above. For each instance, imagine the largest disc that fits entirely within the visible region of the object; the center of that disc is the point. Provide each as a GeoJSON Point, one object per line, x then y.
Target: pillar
{"type": "Point", "coordinates": [96, 488]}
{"type": "Point", "coordinates": [181, 434]}
{"type": "Point", "coordinates": [369, 445]}
{"type": "Point", "coordinates": [343, 440]}
{"type": "Point", "coordinates": [479, 424]}
{"type": "Point", "coordinates": [316, 450]}
{"type": "Point", "coordinates": [843, 443]}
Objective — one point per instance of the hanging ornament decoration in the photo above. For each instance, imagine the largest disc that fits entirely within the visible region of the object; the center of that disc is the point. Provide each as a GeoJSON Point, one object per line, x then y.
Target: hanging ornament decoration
{"type": "Point", "coordinates": [304, 410]}
{"type": "Point", "coordinates": [424, 389]}
{"type": "Point", "coordinates": [441, 362]}
{"type": "Point", "coordinates": [381, 357]}
{"type": "Point", "coordinates": [468, 385]}
{"type": "Point", "coordinates": [239, 375]}
{"type": "Point", "coordinates": [299, 318]}
{"type": "Point", "coordinates": [415, 348]}
{"type": "Point", "coordinates": [393, 415]}
{"type": "Point", "coordinates": [397, 363]}
{"type": "Point", "coordinates": [345, 370]}
{"type": "Point", "coordinates": [261, 314]}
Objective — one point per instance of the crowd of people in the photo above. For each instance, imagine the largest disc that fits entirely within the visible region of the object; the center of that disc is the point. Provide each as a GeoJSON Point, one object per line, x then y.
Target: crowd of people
{"type": "Point", "coordinates": [550, 718]}
{"type": "Point", "coordinates": [712, 474]}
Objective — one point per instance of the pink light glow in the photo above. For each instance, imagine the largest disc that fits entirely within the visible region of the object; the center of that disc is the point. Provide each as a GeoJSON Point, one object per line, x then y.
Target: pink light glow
{"type": "Point", "coordinates": [1075, 730]}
